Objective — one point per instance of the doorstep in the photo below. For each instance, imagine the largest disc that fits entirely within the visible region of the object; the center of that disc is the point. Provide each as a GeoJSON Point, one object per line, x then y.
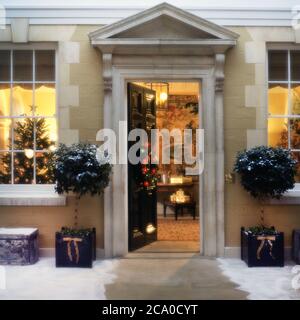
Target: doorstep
{"type": "Point", "coordinates": [165, 255]}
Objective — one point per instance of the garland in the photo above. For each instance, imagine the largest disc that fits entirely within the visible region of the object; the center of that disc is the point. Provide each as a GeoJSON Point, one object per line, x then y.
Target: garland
{"type": "Point", "coordinates": [147, 177]}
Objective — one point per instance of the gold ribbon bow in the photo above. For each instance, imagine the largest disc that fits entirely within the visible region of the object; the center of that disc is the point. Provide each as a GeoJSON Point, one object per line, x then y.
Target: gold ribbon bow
{"type": "Point", "coordinates": [262, 240]}
{"type": "Point", "coordinates": [75, 242]}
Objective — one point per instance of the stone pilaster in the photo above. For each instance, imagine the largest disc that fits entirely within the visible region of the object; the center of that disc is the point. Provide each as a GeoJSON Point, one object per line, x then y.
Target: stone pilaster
{"type": "Point", "coordinates": [108, 193]}
{"type": "Point", "coordinates": [219, 118]}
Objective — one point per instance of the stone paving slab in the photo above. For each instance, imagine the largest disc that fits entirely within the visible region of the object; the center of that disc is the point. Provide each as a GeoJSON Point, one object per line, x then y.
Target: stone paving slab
{"type": "Point", "coordinates": [166, 277]}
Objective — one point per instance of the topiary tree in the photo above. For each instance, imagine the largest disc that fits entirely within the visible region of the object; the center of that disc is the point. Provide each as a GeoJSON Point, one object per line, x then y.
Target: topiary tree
{"type": "Point", "coordinates": [266, 172]}
{"type": "Point", "coordinates": [80, 169]}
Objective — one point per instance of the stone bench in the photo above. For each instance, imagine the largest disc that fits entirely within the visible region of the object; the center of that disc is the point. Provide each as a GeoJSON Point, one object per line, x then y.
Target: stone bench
{"type": "Point", "coordinates": [18, 246]}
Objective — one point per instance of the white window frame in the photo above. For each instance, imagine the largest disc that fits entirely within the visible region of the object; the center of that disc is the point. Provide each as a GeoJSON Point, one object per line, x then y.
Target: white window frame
{"type": "Point", "coordinates": [33, 194]}
{"type": "Point", "coordinates": [292, 196]}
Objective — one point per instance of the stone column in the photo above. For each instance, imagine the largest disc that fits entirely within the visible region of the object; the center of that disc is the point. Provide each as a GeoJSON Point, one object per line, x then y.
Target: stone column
{"type": "Point", "coordinates": [107, 123]}
{"type": "Point", "coordinates": [209, 185]}
{"type": "Point", "coordinates": [219, 118]}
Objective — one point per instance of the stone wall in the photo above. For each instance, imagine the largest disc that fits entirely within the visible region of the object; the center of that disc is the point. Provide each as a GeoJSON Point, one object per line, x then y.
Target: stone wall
{"type": "Point", "coordinates": [80, 114]}
{"type": "Point", "coordinates": [245, 124]}
{"type": "Point", "coordinates": [79, 106]}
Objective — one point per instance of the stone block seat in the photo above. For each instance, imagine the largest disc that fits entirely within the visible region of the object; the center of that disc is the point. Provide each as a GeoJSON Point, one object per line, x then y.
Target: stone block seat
{"type": "Point", "coordinates": [18, 246]}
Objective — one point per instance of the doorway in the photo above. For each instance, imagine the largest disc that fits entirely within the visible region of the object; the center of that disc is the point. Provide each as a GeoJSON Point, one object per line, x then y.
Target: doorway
{"type": "Point", "coordinates": [163, 201]}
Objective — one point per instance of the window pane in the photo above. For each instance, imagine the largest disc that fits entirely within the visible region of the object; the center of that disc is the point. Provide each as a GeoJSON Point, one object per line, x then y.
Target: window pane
{"type": "Point", "coordinates": [4, 65]}
{"type": "Point", "coordinates": [278, 99]}
{"type": "Point", "coordinates": [5, 167]}
{"type": "Point", "coordinates": [4, 99]}
{"type": "Point", "coordinates": [5, 134]}
{"type": "Point", "coordinates": [295, 133]}
{"type": "Point", "coordinates": [295, 98]}
{"type": "Point", "coordinates": [22, 99]}
{"type": "Point", "coordinates": [277, 132]}
{"type": "Point", "coordinates": [44, 172]}
{"type": "Point", "coordinates": [44, 65]}
{"type": "Point", "coordinates": [278, 65]}
{"type": "Point", "coordinates": [26, 135]}
{"type": "Point", "coordinates": [297, 158]}
{"type": "Point", "coordinates": [295, 65]}
{"type": "Point", "coordinates": [23, 168]}
{"type": "Point", "coordinates": [45, 99]}
{"type": "Point", "coordinates": [46, 133]}
{"type": "Point", "coordinates": [22, 65]}
{"type": "Point", "coordinates": [23, 134]}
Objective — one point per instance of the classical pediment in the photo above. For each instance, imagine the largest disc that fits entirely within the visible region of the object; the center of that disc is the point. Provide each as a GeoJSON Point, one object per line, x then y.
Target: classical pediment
{"type": "Point", "coordinates": [162, 25]}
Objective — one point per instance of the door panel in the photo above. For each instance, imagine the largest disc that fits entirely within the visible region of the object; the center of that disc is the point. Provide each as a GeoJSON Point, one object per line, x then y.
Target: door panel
{"type": "Point", "coordinates": [141, 200]}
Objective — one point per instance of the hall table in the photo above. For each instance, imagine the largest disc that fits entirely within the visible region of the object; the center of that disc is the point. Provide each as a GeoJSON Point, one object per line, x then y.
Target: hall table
{"type": "Point", "coordinates": [170, 187]}
{"type": "Point", "coordinates": [191, 205]}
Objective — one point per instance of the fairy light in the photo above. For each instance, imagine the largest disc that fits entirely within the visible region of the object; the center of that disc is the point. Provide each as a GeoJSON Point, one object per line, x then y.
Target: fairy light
{"type": "Point", "coordinates": [29, 153]}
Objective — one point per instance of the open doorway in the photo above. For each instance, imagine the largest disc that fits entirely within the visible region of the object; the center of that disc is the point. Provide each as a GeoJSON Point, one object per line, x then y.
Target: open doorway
{"type": "Point", "coordinates": [163, 201]}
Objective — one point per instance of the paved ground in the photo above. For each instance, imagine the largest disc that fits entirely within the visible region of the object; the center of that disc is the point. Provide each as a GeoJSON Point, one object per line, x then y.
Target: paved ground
{"type": "Point", "coordinates": [150, 276]}
{"type": "Point", "coordinates": [171, 277]}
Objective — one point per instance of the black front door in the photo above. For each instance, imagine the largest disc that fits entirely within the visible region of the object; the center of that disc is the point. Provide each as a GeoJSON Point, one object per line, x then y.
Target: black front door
{"type": "Point", "coordinates": [141, 177]}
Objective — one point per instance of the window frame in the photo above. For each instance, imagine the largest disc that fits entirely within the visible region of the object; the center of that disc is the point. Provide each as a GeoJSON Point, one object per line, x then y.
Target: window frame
{"type": "Point", "coordinates": [291, 196]}
{"type": "Point", "coordinates": [33, 48]}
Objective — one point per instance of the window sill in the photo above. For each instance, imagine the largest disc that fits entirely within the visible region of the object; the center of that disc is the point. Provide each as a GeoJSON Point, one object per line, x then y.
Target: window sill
{"type": "Point", "coordinates": [291, 197]}
{"type": "Point", "coordinates": [30, 195]}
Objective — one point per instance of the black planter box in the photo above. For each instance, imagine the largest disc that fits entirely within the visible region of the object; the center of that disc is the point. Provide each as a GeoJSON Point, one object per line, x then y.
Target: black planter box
{"type": "Point", "coordinates": [75, 251]}
{"type": "Point", "coordinates": [296, 246]}
{"type": "Point", "coordinates": [93, 235]}
{"type": "Point", "coordinates": [262, 251]}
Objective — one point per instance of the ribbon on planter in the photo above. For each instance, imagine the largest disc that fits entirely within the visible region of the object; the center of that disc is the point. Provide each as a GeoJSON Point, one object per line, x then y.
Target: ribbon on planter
{"type": "Point", "coordinates": [262, 240]}
{"type": "Point", "coordinates": [75, 241]}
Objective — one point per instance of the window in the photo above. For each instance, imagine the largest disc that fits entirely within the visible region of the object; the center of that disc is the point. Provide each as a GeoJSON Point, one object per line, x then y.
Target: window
{"type": "Point", "coordinates": [28, 132]}
{"type": "Point", "coordinates": [284, 101]}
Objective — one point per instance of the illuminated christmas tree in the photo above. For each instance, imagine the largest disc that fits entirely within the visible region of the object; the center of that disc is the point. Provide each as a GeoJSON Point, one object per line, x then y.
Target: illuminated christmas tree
{"type": "Point", "coordinates": [24, 161]}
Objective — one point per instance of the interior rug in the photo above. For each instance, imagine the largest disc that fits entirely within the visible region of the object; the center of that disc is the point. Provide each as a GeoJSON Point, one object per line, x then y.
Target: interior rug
{"type": "Point", "coordinates": [180, 230]}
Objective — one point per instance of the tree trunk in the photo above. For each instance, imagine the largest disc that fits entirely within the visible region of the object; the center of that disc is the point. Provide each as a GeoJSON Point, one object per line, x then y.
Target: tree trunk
{"type": "Point", "coordinates": [76, 211]}
{"type": "Point", "coordinates": [262, 216]}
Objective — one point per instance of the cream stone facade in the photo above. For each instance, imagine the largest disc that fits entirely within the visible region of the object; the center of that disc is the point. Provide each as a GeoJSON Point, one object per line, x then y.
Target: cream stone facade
{"type": "Point", "coordinates": [91, 68]}
{"type": "Point", "coordinates": [79, 110]}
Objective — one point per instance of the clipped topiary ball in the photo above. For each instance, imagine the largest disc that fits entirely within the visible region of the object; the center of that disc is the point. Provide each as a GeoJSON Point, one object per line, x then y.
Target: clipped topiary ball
{"type": "Point", "coordinates": [78, 170]}
{"type": "Point", "coordinates": [266, 172]}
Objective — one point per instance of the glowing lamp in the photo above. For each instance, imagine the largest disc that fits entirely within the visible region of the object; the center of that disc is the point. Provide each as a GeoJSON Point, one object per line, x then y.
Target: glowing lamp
{"type": "Point", "coordinates": [29, 153]}
{"type": "Point", "coordinates": [163, 96]}
{"type": "Point", "coordinates": [180, 197]}
{"type": "Point", "coordinates": [150, 228]}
